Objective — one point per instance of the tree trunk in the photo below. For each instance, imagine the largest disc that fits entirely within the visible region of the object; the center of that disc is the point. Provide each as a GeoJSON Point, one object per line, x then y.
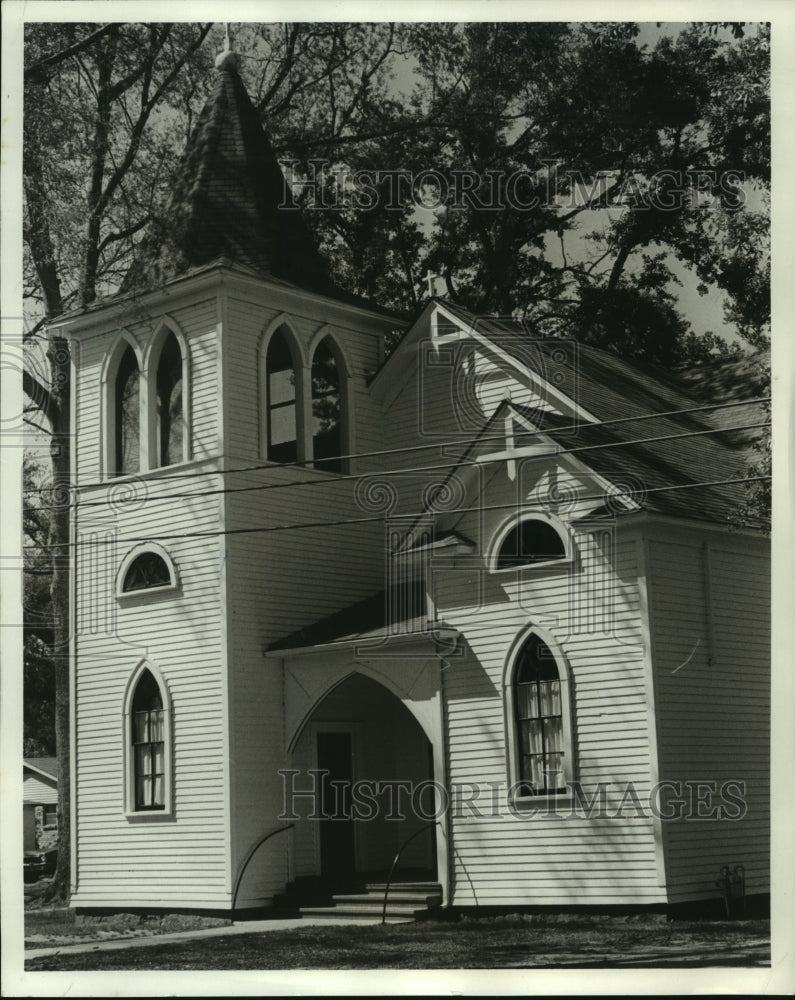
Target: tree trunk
{"type": "Point", "coordinates": [58, 354]}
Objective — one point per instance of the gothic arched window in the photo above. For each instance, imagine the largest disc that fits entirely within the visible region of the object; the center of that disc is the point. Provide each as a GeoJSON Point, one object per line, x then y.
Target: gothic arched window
{"type": "Point", "coordinates": [127, 415]}
{"type": "Point", "coordinates": [148, 745]}
{"type": "Point", "coordinates": [170, 417]}
{"type": "Point", "coordinates": [281, 401]}
{"type": "Point", "coordinates": [539, 720]}
{"type": "Point", "coordinates": [326, 409]}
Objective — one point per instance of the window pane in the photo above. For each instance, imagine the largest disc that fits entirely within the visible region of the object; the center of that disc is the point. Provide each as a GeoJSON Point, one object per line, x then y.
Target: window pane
{"type": "Point", "coordinates": [532, 540]}
{"type": "Point", "coordinates": [155, 726]}
{"type": "Point", "coordinates": [158, 791]}
{"type": "Point", "coordinates": [553, 730]}
{"type": "Point", "coordinates": [172, 430]}
{"type": "Point", "coordinates": [281, 387]}
{"type": "Point", "coordinates": [526, 701]}
{"type": "Point", "coordinates": [143, 760]}
{"type": "Point", "coordinates": [531, 737]}
{"type": "Point", "coordinates": [326, 408]}
{"type": "Point", "coordinates": [283, 424]}
{"type": "Point", "coordinates": [141, 727]}
{"type": "Point", "coordinates": [141, 792]}
{"type": "Point", "coordinates": [127, 413]}
{"type": "Point", "coordinates": [169, 402]}
{"type": "Point", "coordinates": [554, 767]}
{"type": "Point", "coordinates": [147, 570]}
{"type": "Point", "coordinates": [550, 697]}
{"type": "Point", "coordinates": [158, 758]}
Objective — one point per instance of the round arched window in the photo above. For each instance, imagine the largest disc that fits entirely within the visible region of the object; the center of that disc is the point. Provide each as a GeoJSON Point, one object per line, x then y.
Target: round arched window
{"type": "Point", "coordinates": [530, 541]}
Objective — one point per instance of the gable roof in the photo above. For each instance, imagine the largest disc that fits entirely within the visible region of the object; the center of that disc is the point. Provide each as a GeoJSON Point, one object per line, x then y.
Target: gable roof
{"type": "Point", "coordinates": [47, 766]}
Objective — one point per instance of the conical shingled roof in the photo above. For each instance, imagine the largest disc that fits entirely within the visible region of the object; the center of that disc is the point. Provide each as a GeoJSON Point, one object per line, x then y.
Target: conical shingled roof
{"type": "Point", "coordinates": [225, 203]}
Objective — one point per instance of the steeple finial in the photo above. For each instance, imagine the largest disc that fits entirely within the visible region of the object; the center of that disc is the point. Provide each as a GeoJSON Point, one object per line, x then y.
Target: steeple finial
{"type": "Point", "coordinates": [227, 59]}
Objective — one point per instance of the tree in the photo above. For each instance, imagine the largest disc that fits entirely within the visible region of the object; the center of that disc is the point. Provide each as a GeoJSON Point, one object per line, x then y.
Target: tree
{"type": "Point", "coordinates": [90, 96]}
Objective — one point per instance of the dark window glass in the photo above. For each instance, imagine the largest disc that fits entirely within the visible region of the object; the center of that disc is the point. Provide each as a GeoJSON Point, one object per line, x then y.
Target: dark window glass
{"type": "Point", "coordinates": [147, 570]}
{"type": "Point", "coordinates": [148, 747]}
{"type": "Point", "coordinates": [531, 540]}
{"type": "Point", "coordinates": [282, 427]}
{"type": "Point", "coordinates": [539, 720]}
{"type": "Point", "coordinates": [127, 415]}
{"type": "Point", "coordinates": [326, 409]}
{"type": "Point", "coordinates": [169, 403]}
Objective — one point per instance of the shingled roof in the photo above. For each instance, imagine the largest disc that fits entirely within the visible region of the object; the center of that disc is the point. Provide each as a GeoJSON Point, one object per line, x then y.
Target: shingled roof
{"type": "Point", "coordinates": [227, 202]}
{"type": "Point", "coordinates": [666, 460]}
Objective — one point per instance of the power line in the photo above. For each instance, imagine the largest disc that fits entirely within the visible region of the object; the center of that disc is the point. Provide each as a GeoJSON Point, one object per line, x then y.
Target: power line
{"type": "Point", "coordinates": [383, 517]}
{"type": "Point", "coordinates": [414, 447]}
{"type": "Point", "coordinates": [417, 469]}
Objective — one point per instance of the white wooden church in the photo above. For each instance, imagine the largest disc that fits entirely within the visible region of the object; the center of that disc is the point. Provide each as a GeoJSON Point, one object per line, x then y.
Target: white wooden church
{"type": "Point", "coordinates": [480, 599]}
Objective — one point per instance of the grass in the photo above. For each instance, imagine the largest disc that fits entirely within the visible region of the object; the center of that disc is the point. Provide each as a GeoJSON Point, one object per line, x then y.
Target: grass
{"type": "Point", "coordinates": [509, 942]}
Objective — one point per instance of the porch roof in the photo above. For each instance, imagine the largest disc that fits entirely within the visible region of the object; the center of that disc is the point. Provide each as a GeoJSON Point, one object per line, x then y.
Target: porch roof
{"type": "Point", "coordinates": [399, 611]}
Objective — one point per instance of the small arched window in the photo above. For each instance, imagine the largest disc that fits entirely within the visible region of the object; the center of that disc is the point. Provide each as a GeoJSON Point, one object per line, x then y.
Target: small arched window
{"type": "Point", "coordinates": [530, 541]}
{"type": "Point", "coordinates": [127, 415]}
{"type": "Point", "coordinates": [281, 401]}
{"type": "Point", "coordinates": [326, 409]}
{"type": "Point", "coordinates": [170, 417]}
{"type": "Point", "coordinates": [148, 745]}
{"type": "Point", "coordinates": [539, 719]}
{"type": "Point", "coordinates": [147, 570]}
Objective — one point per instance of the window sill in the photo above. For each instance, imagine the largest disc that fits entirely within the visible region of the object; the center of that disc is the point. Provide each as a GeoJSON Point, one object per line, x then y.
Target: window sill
{"type": "Point", "coordinates": [150, 815]}
{"type": "Point", "coordinates": [545, 564]}
{"type": "Point", "coordinates": [129, 596]}
{"type": "Point", "coordinates": [545, 801]}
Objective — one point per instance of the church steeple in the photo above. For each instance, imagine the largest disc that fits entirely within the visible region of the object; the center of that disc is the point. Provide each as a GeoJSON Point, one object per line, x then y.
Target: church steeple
{"type": "Point", "coordinates": [227, 201]}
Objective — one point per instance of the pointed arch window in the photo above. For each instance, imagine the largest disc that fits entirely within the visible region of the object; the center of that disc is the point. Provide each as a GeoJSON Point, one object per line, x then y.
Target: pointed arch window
{"type": "Point", "coordinates": [542, 736]}
{"type": "Point", "coordinates": [148, 745]}
{"type": "Point", "coordinates": [170, 414]}
{"type": "Point", "coordinates": [281, 401]}
{"type": "Point", "coordinates": [127, 415]}
{"type": "Point", "coordinates": [326, 408]}
{"type": "Point", "coordinates": [531, 540]}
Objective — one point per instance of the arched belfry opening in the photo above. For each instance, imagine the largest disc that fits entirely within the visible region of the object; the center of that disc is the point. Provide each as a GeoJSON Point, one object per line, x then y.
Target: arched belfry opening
{"type": "Point", "coordinates": [370, 766]}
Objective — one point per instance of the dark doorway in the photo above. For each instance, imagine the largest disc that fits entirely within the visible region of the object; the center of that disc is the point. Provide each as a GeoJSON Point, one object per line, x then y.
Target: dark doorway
{"type": "Point", "coordinates": [337, 844]}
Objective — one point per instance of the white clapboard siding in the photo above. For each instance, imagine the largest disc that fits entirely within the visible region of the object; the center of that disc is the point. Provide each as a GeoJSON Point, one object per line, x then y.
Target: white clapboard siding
{"type": "Point", "coordinates": [547, 859]}
{"type": "Point", "coordinates": [183, 860]}
{"type": "Point", "coordinates": [39, 790]}
{"type": "Point", "coordinates": [712, 704]}
{"type": "Point", "coordinates": [283, 580]}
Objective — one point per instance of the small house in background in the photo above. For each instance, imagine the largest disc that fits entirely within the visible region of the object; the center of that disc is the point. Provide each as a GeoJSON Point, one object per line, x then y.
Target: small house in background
{"type": "Point", "coordinates": [40, 802]}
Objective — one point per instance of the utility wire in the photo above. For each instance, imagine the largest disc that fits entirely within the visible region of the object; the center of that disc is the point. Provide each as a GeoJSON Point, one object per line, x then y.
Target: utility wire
{"type": "Point", "coordinates": [415, 447]}
{"type": "Point", "coordinates": [379, 474]}
{"type": "Point", "coordinates": [382, 517]}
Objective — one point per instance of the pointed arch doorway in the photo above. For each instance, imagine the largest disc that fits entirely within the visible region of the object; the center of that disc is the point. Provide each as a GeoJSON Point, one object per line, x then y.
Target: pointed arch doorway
{"type": "Point", "coordinates": [374, 786]}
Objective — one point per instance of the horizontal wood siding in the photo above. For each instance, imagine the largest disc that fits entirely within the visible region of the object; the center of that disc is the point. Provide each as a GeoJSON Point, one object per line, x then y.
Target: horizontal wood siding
{"type": "Point", "coordinates": [283, 580]}
{"type": "Point", "coordinates": [38, 791]}
{"type": "Point", "coordinates": [180, 860]}
{"type": "Point", "coordinates": [506, 857]}
{"type": "Point", "coordinates": [713, 707]}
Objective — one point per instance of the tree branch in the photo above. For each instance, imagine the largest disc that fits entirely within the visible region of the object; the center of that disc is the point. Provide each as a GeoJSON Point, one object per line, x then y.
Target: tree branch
{"type": "Point", "coordinates": [34, 73]}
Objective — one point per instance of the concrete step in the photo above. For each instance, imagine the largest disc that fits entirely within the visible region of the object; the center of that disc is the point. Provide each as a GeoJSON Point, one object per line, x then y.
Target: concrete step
{"type": "Point", "coordinates": [416, 899]}
{"type": "Point", "coordinates": [372, 912]}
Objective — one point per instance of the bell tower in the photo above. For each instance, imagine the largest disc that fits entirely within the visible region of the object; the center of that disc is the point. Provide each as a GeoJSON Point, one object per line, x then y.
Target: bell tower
{"type": "Point", "coordinates": [219, 399]}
